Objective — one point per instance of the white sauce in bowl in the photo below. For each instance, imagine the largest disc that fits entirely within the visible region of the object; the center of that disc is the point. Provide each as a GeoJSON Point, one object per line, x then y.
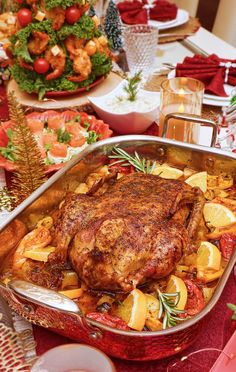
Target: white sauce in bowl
{"type": "Point", "coordinates": [121, 104]}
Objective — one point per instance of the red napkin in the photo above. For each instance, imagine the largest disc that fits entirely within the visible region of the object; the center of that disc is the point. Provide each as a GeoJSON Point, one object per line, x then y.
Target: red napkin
{"type": "Point", "coordinates": [135, 12]}
{"type": "Point", "coordinates": [210, 70]}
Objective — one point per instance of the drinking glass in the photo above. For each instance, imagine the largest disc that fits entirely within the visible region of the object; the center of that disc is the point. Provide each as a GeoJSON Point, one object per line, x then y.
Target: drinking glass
{"type": "Point", "coordinates": [140, 42]}
{"type": "Point", "coordinates": [184, 96]}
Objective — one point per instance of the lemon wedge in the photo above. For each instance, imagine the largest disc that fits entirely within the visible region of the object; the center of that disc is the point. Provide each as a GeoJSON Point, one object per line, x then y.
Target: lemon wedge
{"type": "Point", "coordinates": [133, 310]}
{"type": "Point", "coordinates": [39, 254]}
{"type": "Point", "coordinates": [174, 285]}
{"type": "Point", "coordinates": [198, 180]}
{"type": "Point", "coordinates": [167, 172]}
{"type": "Point", "coordinates": [208, 257]}
{"type": "Point", "coordinates": [218, 215]}
{"type": "Point", "coordinates": [153, 306]}
{"type": "Point", "coordinates": [72, 293]}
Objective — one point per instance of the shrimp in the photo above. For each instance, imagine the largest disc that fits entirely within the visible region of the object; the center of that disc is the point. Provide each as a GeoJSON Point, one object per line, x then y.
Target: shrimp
{"type": "Point", "coordinates": [57, 15]}
{"type": "Point", "coordinates": [25, 65]}
{"type": "Point", "coordinates": [38, 43]}
{"type": "Point", "coordinates": [81, 65]}
{"type": "Point", "coordinates": [38, 238]}
{"type": "Point", "coordinates": [32, 3]}
{"type": "Point", "coordinates": [102, 45]}
{"type": "Point", "coordinates": [72, 44]}
{"type": "Point", "coordinates": [57, 63]}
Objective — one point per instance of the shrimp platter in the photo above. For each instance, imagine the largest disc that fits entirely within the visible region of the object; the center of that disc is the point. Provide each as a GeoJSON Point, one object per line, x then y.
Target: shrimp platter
{"type": "Point", "coordinates": [57, 48]}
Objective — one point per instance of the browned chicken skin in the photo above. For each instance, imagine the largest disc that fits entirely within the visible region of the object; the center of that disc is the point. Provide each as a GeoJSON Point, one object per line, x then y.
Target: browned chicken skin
{"type": "Point", "coordinates": [133, 232]}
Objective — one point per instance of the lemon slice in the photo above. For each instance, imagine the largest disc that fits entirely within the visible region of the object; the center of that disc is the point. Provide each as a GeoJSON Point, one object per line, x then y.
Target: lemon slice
{"type": "Point", "coordinates": [174, 285]}
{"type": "Point", "coordinates": [153, 306]}
{"type": "Point", "coordinates": [218, 215]}
{"type": "Point", "coordinates": [208, 256]}
{"type": "Point", "coordinates": [133, 310]}
{"type": "Point", "coordinates": [198, 180]}
{"type": "Point", "coordinates": [164, 171]}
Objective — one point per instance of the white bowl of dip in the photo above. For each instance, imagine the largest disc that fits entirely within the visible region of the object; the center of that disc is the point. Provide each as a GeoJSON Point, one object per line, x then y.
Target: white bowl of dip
{"type": "Point", "coordinates": [124, 116]}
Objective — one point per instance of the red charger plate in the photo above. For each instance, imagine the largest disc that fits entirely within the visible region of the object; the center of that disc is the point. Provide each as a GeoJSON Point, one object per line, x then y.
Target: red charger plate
{"type": "Point", "coordinates": [95, 124]}
{"type": "Point", "coordinates": [66, 93]}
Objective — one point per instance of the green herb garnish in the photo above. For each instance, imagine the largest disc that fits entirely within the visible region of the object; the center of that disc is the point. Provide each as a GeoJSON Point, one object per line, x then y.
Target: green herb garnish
{"type": "Point", "coordinates": [8, 152]}
{"type": "Point", "coordinates": [77, 119]}
{"type": "Point", "coordinates": [132, 86]}
{"type": "Point", "coordinates": [48, 146]}
{"type": "Point", "coordinates": [233, 308]}
{"type": "Point", "coordinates": [125, 160]}
{"type": "Point", "coordinates": [93, 137]}
{"type": "Point", "coordinates": [63, 136]}
{"type": "Point", "coordinates": [86, 125]}
{"type": "Point", "coordinates": [168, 303]}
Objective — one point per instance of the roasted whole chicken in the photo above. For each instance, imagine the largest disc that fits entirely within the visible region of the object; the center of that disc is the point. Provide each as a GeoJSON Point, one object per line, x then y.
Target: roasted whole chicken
{"type": "Point", "coordinates": [137, 230]}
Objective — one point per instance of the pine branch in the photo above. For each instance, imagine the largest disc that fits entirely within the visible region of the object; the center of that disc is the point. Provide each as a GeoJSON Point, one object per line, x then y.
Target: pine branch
{"type": "Point", "coordinates": [30, 169]}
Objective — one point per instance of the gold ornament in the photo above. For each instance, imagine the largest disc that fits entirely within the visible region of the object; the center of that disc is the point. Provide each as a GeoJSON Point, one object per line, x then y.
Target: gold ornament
{"type": "Point", "coordinates": [30, 169]}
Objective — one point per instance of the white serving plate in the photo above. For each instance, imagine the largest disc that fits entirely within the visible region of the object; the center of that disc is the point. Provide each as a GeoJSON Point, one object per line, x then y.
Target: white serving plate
{"type": "Point", "coordinates": [133, 122]}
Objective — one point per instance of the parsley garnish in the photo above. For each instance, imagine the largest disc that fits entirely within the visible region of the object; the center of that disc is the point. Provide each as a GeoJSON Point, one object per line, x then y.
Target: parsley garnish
{"type": "Point", "coordinates": [86, 125]}
{"type": "Point", "coordinates": [47, 146]}
{"type": "Point", "coordinates": [93, 136]}
{"type": "Point", "coordinates": [63, 136]}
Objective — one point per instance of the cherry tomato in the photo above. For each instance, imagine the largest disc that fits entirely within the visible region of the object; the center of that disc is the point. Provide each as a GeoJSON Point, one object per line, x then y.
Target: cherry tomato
{"type": "Point", "coordinates": [109, 320]}
{"type": "Point", "coordinates": [119, 168]}
{"type": "Point", "coordinates": [72, 15]}
{"type": "Point", "coordinates": [24, 17]}
{"type": "Point", "coordinates": [195, 301]}
{"type": "Point", "coordinates": [227, 245]}
{"type": "Point", "coordinates": [41, 65]}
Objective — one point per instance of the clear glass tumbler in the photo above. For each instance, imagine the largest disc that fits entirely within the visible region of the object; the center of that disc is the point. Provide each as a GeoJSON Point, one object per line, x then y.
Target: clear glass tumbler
{"type": "Point", "coordinates": [140, 42]}
{"type": "Point", "coordinates": [184, 96]}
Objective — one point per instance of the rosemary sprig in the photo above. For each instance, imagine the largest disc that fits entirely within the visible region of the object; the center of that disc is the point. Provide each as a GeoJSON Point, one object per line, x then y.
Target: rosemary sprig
{"type": "Point", "coordinates": [125, 160]}
{"type": "Point", "coordinates": [168, 303]}
{"type": "Point", "coordinates": [132, 86]}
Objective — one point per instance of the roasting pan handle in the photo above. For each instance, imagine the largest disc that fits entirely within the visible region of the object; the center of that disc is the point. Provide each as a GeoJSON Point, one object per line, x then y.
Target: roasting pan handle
{"type": "Point", "coordinates": [54, 300]}
{"type": "Point", "coordinates": [194, 119]}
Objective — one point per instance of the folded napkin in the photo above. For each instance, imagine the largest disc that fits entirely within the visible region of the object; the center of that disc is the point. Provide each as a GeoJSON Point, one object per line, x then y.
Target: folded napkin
{"type": "Point", "coordinates": [138, 12]}
{"type": "Point", "coordinates": [213, 71]}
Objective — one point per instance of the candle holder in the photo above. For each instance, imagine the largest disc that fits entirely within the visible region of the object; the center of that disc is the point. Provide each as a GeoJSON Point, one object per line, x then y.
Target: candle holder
{"type": "Point", "coordinates": [181, 96]}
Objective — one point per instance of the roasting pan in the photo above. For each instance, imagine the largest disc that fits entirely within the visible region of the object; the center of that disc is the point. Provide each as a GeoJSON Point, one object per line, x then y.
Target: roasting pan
{"type": "Point", "coordinates": [47, 309]}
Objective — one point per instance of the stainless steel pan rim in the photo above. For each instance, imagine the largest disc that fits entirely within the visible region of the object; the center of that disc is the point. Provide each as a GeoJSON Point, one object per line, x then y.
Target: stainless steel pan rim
{"type": "Point", "coordinates": [116, 141]}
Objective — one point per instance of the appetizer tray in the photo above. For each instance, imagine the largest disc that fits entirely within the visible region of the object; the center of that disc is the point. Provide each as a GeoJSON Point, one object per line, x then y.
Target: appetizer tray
{"type": "Point", "coordinates": [52, 310]}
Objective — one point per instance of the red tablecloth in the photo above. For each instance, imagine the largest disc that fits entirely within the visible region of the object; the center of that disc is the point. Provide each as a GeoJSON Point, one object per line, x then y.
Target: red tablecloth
{"type": "Point", "coordinates": [216, 334]}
